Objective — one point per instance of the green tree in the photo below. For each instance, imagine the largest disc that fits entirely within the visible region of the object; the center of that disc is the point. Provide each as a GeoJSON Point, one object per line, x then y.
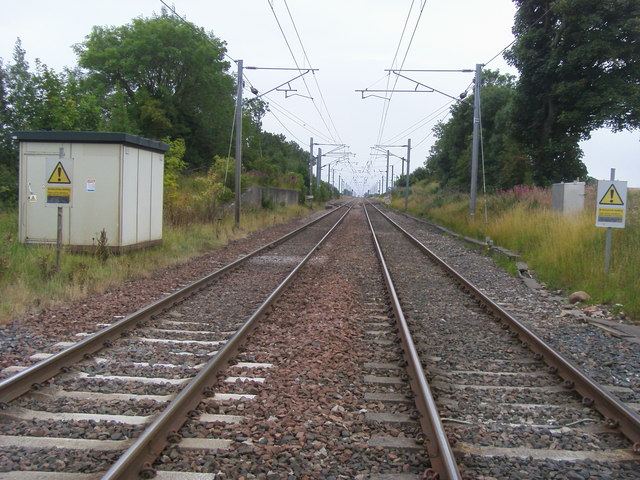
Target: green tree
{"type": "Point", "coordinates": [8, 154]}
{"type": "Point", "coordinates": [17, 103]}
{"type": "Point", "coordinates": [21, 90]}
{"type": "Point", "coordinates": [168, 78]}
{"type": "Point", "coordinates": [579, 69]}
{"type": "Point", "coordinates": [505, 164]}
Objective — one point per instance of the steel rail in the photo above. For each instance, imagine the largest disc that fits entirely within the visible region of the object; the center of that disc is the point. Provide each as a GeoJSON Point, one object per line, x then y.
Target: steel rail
{"type": "Point", "coordinates": [438, 447]}
{"type": "Point", "coordinates": [617, 414]}
{"type": "Point", "coordinates": [137, 460]}
{"type": "Point", "coordinates": [18, 384]}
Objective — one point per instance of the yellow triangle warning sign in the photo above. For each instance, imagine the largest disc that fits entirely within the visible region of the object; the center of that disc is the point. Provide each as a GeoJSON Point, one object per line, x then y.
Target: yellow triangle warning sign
{"type": "Point", "coordinates": [611, 197]}
{"type": "Point", "coordinates": [59, 175]}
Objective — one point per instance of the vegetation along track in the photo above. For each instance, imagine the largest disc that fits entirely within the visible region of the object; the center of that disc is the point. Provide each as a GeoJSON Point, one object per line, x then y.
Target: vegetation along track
{"type": "Point", "coordinates": [317, 390]}
{"type": "Point", "coordinates": [507, 413]}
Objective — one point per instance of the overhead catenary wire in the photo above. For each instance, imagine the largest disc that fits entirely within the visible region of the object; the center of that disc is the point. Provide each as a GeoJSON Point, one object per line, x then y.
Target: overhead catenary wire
{"type": "Point", "coordinates": [419, 124]}
{"type": "Point", "coordinates": [304, 51]}
{"type": "Point", "coordinates": [387, 105]}
{"type": "Point", "coordinates": [275, 15]}
{"type": "Point", "coordinates": [302, 123]}
{"type": "Point", "coordinates": [285, 127]}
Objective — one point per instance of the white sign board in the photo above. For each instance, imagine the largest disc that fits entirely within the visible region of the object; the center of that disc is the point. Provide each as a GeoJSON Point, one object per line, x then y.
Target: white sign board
{"type": "Point", "coordinates": [611, 206]}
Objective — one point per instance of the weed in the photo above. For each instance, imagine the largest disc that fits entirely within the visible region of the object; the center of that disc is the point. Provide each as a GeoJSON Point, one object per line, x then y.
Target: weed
{"type": "Point", "coordinates": [4, 266]}
{"type": "Point", "coordinates": [267, 203]}
{"type": "Point", "coordinates": [79, 274]}
{"type": "Point", "coordinates": [47, 267]}
{"type": "Point", "coordinates": [102, 251]}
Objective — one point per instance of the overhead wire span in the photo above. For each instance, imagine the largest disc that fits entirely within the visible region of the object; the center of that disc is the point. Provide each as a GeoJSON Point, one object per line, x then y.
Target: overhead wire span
{"type": "Point", "coordinates": [385, 106]}
{"type": "Point", "coordinates": [404, 59]}
{"type": "Point", "coordinates": [304, 51]}
{"type": "Point", "coordinates": [284, 126]}
{"type": "Point", "coordinates": [275, 15]}
{"type": "Point", "coordinates": [299, 121]}
{"type": "Point", "coordinates": [419, 124]}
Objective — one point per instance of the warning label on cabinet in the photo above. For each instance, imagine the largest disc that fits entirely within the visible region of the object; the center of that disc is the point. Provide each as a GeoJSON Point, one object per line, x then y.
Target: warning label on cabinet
{"type": "Point", "coordinates": [59, 195]}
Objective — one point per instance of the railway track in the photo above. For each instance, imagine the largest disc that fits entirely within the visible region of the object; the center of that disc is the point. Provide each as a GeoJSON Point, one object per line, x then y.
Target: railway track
{"type": "Point", "coordinates": [80, 408]}
{"type": "Point", "coordinates": [336, 382]}
{"type": "Point", "coordinates": [512, 406]}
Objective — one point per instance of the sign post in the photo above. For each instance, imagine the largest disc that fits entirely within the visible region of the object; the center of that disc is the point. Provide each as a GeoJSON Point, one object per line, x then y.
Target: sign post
{"type": "Point", "coordinates": [611, 209]}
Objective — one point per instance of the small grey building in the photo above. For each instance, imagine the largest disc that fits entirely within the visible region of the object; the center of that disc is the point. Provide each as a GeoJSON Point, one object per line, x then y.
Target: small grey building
{"type": "Point", "coordinates": [102, 180]}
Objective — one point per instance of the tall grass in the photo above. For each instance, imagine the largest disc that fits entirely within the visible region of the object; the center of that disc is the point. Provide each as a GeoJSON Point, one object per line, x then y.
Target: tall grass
{"type": "Point", "coordinates": [566, 251]}
{"type": "Point", "coordinates": [30, 281]}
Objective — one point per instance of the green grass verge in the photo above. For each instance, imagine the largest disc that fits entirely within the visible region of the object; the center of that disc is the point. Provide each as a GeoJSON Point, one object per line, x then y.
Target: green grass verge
{"type": "Point", "coordinates": [30, 280]}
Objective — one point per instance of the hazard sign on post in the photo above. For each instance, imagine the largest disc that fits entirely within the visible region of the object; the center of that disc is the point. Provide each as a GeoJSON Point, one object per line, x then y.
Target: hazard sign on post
{"type": "Point", "coordinates": [611, 209]}
{"type": "Point", "coordinates": [59, 175]}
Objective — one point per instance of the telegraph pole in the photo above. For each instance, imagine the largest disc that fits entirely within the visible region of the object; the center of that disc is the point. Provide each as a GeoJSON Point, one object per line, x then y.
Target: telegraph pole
{"type": "Point", "coordinates": [476, 142]}
{"type": "Point", "coordinates": [238, 142]}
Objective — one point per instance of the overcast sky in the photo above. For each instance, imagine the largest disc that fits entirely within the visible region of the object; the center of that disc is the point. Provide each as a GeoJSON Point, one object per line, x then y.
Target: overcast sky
{"type": "Point", "coordinates": [351, 43]}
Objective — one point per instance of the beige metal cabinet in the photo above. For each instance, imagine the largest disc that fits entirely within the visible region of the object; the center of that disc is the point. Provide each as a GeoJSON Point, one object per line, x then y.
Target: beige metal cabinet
{"type": "Point", "coordinates": [113, 181]}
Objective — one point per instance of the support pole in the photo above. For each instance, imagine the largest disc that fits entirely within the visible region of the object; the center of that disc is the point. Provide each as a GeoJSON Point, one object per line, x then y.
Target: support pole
{"type": "Point", "coordinates": [238, 142]}
{"type": "Point", "coordinates": [311, 173]}
{"type": "Point", "coordinates": [406, 190]}
{"type": "Point", "coordinates": [386, 189]}
{"type": "Point", "coordinates": [607, 251]}
{"type": "Point", "coordinates": [476, 141]}
{"type": "Point", "coordinates": [392, 177]}
{"type": "Point", "coordinates": [59, 238]}
{"type": "Point", "coordinates": [319, 168]}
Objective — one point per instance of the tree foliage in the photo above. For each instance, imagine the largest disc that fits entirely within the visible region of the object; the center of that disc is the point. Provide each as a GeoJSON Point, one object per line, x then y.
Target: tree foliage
{"type": "Point", "coordinates": [505, 164]}
{"type": "Point", "coordinates": [164, 77]}
{"type": "Point", "coordinates": [579, 63]}
{"type": "Point", "coordinates": [156, 77]}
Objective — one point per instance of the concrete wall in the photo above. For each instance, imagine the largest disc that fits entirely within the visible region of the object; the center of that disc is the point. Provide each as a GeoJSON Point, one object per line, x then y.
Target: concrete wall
{"type": "Point", "coordinates": [256, 195]}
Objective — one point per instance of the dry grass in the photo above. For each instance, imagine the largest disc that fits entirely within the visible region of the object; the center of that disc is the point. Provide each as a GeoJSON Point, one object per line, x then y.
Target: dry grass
{"type": "Point", "coordinates": [29, 280]}
{"type": "Point", "coordinates": [566, 251]}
